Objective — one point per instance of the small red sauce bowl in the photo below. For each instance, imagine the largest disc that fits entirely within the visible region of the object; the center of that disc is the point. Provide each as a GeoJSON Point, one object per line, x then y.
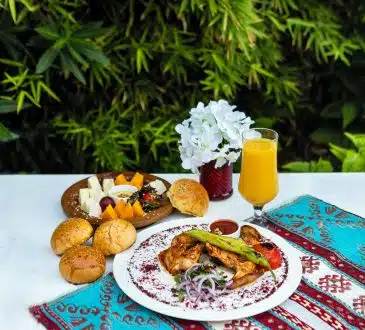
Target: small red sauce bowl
{"type": "Point", "coordinates": [226, 227]}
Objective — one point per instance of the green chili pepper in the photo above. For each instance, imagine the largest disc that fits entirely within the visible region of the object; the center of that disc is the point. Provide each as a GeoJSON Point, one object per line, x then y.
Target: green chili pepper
{"type": "Point", "coordinates": [232, 245]}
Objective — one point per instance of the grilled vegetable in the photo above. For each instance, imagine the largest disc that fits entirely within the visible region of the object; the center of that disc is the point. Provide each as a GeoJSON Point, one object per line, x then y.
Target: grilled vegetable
{"type": "Point", "coordinates": [250, 235]}
{"type": "Point", "coordinates": [271, 253]}
{"type": "Point", "coordinates": [230, 244]}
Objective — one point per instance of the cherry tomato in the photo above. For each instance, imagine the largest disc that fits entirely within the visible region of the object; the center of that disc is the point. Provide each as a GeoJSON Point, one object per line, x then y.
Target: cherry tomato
{"type": "Point", "coordinates": [271, 253]}
{"type": "Point", "coordinates": [148, 197]}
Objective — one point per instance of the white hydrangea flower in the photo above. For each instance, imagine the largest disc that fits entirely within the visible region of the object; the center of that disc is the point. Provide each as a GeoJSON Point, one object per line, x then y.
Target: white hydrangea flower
{"type": "Point", "coordinates": [213, 132]}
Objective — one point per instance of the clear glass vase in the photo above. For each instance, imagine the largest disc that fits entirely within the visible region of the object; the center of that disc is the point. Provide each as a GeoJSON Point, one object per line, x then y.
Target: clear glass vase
{"type": "Point", "coordinates": [217, 181]}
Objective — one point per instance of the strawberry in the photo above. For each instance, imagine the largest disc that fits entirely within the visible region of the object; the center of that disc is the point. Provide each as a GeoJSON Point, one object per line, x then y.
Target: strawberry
{"type": "Point", "coordinates": [148, 197]}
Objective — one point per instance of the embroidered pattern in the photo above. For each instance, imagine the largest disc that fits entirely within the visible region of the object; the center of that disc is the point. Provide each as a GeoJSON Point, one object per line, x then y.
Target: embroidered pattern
{"type": "Point", "coordinates": [310, 264]}
{"type": "Point", "coordinates": [334, 283]}
{"type": "Point", "coordinates": [359, 304]}
{"type": "Point", "coordinates": [244, 324]}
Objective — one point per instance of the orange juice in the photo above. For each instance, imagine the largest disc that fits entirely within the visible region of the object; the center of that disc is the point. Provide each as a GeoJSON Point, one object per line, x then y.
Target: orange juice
{"type": "Point", "coordinates": [258, 180]}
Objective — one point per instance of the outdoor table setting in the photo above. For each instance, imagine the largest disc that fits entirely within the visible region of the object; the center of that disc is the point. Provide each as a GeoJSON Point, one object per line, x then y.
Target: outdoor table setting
{"type": "Point", "coordinates": [208, 250]}
{"type": "Point", "coordinates": [30, 274]}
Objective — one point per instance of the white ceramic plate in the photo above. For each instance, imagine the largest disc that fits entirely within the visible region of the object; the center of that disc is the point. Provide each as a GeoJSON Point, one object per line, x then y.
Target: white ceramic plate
{"type": "Point", "coordinates": [140, 275]}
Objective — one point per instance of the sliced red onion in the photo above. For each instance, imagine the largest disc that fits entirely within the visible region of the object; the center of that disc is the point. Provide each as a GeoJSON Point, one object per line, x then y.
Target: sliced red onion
{"type": "Point", "coordinates": [194, 287]}
{"type": "Point", "coordinates": [229, 283]}
{"type": "Point", "coordinates": [188, 293]}
{"type": "Point", "coordinates": [212, 284]}
{"type": "Point", "coordinates": [200, 284]}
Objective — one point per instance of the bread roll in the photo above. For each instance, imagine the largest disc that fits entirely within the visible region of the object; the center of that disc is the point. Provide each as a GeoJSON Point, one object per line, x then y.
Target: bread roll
{"type": "Point", "coordinates": [82, 264]}
{"type": "Point", "coordinates": [189, 197]}
{"type": "Point", "coordinates": [74, 231]}
{"type": "Point", "coordinates": [114, 236]}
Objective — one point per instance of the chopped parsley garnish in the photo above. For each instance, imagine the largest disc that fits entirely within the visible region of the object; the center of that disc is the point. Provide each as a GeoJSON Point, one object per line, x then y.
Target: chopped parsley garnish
{"type": "Point", "coordinates": [180, 294]}
{"type": "Point", "coordinates": [177, 279]}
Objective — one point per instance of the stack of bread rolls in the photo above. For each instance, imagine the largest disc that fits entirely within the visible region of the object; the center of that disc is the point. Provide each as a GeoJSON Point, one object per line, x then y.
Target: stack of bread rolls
{"type": "Point", "coordinates": [84, 264]}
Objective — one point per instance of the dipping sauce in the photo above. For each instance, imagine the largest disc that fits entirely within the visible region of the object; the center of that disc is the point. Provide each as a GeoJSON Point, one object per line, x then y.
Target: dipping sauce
{"type": "Point", "coordinates": [123, 194]}
{"type": "Point", "coordinates": [223, 227]}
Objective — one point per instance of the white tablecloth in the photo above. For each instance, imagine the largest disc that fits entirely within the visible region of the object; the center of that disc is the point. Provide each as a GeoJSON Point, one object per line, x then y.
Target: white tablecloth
{"type": "Point", "coordinates": [31, 209]}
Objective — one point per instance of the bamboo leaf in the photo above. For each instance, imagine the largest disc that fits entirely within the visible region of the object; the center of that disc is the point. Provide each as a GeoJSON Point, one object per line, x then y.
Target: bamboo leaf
{"type": "Point", "coordinates": [47, 59]}
{"type": "Point", "coordinates": [22, 15]}
{"type": "Point", "coordinates": [139, 59]}
{"type": "Point", "coordinates": [297, 167]}
{"type": "Point", "coordinates": [349, 114]}
{"type": "Point", "coordinates": [90, 51]}
{"type": "Point", "coordinates": [7, 106]}
{"type": "Point", "coordinates": [20, 101]}
{"type": "Point", "coordinates": [6, 135]}
{"type": "Point", "coordinates": [97, 75]}
{"type": "Point", "coordinates": [13, 80]}
{"type": "Point", "coordinates": [89, 30]}
{"type": "Point", "coordinates": [48, 33]}
{"type": "Point", "coordinates": [300, 22]}
{"type": "Point", "coordinates": [339, 152]}
{"type": "Point", "coordinates": [48, 90]}
{"type": "Point", "coordinates": [357, 139]}
{"type": "Point", "coordinates": [72, 67]}
{"type": "Point", "coordinates": [60, 43]}
{"type": "Point", "coordinates": [32, 8]}
{"type": "Point", "coordinates": [12, 7]}
{"type": "Point", "coordinates": [322, 166]}
{"type": "Point", "coordinates": [354, 162]}
{"type": "Point", "coordinates": [33, 89]}
{"type": "Point", "coordinates": [313, 166]}
{"type": "Point", "coordinates": [11, 62]}
{"type": "Point", "coordinates": [77, 56]}
{"type": "Point", "coordinates": [31, 98]}
{"type": "Point", "coordinates": [183, 6]}
{"type": "Point", "coordinates": [22, 77]}
{"type": "Point", "coordinates": [64, 13]}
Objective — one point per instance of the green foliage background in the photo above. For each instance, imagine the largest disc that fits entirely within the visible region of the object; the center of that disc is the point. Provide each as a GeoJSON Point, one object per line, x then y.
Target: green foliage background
{"type": "Point", "coordinates": [100, 85]}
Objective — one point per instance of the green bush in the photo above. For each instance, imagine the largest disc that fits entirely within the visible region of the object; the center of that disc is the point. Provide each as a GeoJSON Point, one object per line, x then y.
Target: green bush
{"type": "Point", "coordinates": [100, 85]}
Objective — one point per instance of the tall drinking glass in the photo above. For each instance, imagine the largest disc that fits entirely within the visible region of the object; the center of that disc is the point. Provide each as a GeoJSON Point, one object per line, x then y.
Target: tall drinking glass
{"type": "Point", "coordinates": [258, 182]}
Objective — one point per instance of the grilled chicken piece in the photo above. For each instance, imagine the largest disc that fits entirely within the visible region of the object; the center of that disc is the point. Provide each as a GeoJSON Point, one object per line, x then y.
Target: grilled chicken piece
{"type": "Point", "coordinates": [183, 239]}
{"type": "Point", "coordinates": [246, 271]}
{"type": "Point", "coordinates": [180, 257]}
{"type": "Point", "coordinates": [228, 259]}
{"type": "Point", "coordinates": [246, 279]}
{"type": "Point", "coordinates": [250, 235]}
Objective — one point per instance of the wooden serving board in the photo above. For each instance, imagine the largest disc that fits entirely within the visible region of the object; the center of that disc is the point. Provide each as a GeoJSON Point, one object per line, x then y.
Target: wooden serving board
{"type": "Point", "coordinates": [71, 206]}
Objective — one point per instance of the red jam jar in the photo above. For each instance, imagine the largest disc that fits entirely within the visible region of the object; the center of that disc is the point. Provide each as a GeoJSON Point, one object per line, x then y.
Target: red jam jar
{"type": "Point", "coordinates": [217, 181]}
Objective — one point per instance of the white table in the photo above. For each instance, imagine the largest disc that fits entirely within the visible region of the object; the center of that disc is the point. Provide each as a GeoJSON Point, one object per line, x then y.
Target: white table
{"type": "Point", "coordinates": [31, 210]}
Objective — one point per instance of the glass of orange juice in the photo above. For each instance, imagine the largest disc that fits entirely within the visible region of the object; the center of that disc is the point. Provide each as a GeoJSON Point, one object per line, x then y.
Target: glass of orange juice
{"type": "Point", "coordinates": [258, 182]}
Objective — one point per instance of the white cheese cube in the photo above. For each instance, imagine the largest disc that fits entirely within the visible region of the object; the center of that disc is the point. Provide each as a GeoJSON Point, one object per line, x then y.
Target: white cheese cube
{"type": "Point", "coordinates": [84, 195]}
{"type": "Point", "coordinates": [93, 183]}
{"type": "Point", "coordinates": [94, 210]}
{"type": "Point", "coordinates": [159, 186]}
{"type": "Point", "coordinates": [85, 206]}
{"type": "Point", "coordinates": [107, 185]}
{"type": "Point", "coordinates": [96, 195]}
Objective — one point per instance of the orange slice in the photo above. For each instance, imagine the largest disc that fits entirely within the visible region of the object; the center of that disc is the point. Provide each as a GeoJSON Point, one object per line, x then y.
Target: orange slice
{"type": "Point", "coordinates": [137, 181]}
{"type": "Point", "coordinates": [120, 179]}
{"type": "Point", "coordinates": [119, 208]}
{"type": "Point", "coordinates": [109, 213]}
{"type": "Point", "coordinates": [137, 209]}
{"type": "Point", "coordinates": [128, 212]}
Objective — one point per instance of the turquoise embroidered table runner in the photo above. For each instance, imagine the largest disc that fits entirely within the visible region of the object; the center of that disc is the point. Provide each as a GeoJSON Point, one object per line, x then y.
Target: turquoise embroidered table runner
{"type": "Point", "coordinates": [331, 295]}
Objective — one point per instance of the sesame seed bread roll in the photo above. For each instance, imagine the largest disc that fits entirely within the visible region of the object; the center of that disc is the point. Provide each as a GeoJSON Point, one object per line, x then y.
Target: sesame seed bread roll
{"type": "Point", "coordinates": [82, 264]}
{"type": "Point", "coordinates": [71, 232]}
{"type": "Point", "coordinates": [114, 236]}
{"type": "Point", "coordinates": [189, 197]}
